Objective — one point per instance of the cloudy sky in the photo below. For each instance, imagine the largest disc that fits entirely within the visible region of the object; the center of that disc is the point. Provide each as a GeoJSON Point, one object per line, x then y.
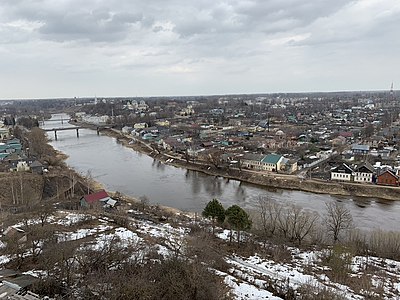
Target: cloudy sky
{"type": "Point", "coordinates": [67, 48]}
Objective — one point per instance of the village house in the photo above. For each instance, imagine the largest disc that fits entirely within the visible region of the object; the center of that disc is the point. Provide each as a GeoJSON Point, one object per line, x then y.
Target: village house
{"type": "Point", "coordinates": [97, 199]}
{"type": "Point", "coordinates": [16, 285]}
{"type": "Point", "coordinates": [364, 173]}
{"type": "Point", "coordinates": [388, 178]}
{"type": "Point", "coordinates": [37, 167]}
{"type": "Point", "coordinates": [342, 173]}
{"type": "Point", "coordinates": [357, 149]}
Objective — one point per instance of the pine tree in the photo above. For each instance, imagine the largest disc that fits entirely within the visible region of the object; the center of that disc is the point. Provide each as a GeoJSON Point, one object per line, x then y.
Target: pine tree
{"type": "Point", "coordinates": [238, 219]}
{"type": "Point", "coordinates": [215, 211]}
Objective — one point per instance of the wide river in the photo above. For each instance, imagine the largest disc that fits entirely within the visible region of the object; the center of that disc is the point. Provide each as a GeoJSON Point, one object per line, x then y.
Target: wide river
{"type": "Point", "coordinates": [121, 169]}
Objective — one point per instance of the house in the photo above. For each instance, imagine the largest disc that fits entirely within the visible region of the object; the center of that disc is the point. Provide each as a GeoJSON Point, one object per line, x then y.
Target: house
{"type": "Point", "coordinates": [100, 198]}
{"type": "Point", "coordinates": [16, 285]}
{"type": "Point", "coordinates": [127, 129]}
{"type": "Point", "coordinates": [36, 167]}
{"type": "Point", "coordinates": [163, 123]}
{"type": "Point", "coordinates": [252, 161]}
{"type": "Point", "coordinates": [359, 149]}
{"type": "Point", "coordinates": [16, 233]}
{"type": "Point", "coordinates": [289, 165]}
{"type": "Point", "coordinates": [140, 125]}
{"type": "Point", "coordinates": [388, 178]}
{"type": "Point", "coordinates": [342, 173]}
{"type": "Point", "coordinates": [364, 173]}
{"type": "Point", "coordinates": [4, 133]}
{"type": "Point", "coordinates": [272, 162]}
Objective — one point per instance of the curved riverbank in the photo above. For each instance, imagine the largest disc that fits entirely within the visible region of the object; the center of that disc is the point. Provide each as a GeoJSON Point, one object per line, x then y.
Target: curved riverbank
{"type": "Point", "coordinates": [270, 180]}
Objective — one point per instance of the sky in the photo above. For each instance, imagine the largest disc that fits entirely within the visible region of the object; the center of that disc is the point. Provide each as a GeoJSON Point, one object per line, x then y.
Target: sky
{"type": "Point", "coordinates": [83, 48]}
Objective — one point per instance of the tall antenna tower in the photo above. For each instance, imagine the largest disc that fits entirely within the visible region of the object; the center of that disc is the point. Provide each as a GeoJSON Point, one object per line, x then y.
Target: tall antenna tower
{"type": "Point", "coordinates": [391, 91]}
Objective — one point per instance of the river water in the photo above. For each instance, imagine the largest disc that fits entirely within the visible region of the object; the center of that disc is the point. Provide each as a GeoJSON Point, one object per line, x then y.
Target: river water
{"type": "Point", "coordinates": [121, 169]}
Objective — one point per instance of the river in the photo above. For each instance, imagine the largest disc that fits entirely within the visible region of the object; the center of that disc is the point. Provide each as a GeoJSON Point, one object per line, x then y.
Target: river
{"type": "Point", "coordinates": [121, 169]}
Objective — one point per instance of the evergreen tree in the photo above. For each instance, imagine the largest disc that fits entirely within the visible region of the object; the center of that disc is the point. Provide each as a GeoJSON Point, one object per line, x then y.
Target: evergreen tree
{"type": "Point", "coordinates": [215, 211]}
{"type": "Point", "coordinates": [238, 219]}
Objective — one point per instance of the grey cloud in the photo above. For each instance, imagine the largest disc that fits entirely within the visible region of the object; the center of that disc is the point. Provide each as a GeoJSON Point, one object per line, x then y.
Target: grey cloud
{"type": "Point", "coordinates": [93, 26]}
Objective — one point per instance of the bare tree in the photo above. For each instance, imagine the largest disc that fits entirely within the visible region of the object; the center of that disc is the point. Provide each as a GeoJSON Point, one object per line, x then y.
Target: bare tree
{"type": "Point", "coordinates": [215, 158]}
{"type": "Point", "coordinates": [270, 212]}
{"type": "Point", "coordinates": [338, 219]}
{"type": "Point", "coordinates": [303, 223]}
{"type": "Point", "coordinates": [89, 180]}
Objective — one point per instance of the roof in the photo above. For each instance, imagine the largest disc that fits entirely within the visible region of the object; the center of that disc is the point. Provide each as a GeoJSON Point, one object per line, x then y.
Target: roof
{"type": "Point", "coordinates": [271, 158]}
{"type": "Point", "coordinates": [360, 147]}
{"type": "Point", "coordinates": [36, 164]}
{"type": "Point", "coordinates": [390, 173]}
{"type": "Point", "coordinates": [253, 156]}
{"type": "Point", "coordinates": [365, 165]}
{"type": "Point", "coordinates": [98, 196]}
{"type": "Point", "coordinates": [343, 168]}
{"type": "Point", "coordinates": [17, 279]}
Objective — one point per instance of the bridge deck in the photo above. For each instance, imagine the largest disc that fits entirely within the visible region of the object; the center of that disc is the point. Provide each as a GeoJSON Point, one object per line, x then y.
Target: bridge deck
{"type": "Point", "coordinates": [62, 128]}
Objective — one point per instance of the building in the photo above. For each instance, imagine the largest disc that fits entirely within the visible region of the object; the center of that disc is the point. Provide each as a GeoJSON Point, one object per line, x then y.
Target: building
{"type": "Point", "coordinates": [364, 173]}
{"type": "Point", "coordinates": [270, 162]}
{"type": "Point", "coordinates": [388, 178]}
{"type": "Point", "coordinates": [100, 198]}
{"type": "Point", "coordinates": [342, 173]}
{"type": "Point", "coordinates": [357, 149]}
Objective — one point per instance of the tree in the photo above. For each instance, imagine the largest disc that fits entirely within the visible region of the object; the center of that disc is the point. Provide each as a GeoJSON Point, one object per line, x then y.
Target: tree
{"type": "Point", "coordinates": [37, 142]}
{"type": "Point", "coordinates": [215, 211]}
{"type": "Point", "coordinates": [238, 219]}
{"type": "Point", "coordinates": [215, 158]}
{"type": "Point", "coordinates": [338, 219]}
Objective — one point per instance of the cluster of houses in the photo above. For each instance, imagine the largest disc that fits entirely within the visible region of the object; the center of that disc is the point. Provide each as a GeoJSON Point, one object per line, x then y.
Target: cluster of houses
{"type": "Point", "coordinates": [366, 173]}
{"type": "Point", "coordinates": [14, 159]}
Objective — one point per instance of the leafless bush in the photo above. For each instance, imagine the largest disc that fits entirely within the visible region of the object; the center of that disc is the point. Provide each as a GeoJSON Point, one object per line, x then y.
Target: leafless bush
{"type": "Point", "coordinates": [310, 291]}
{"type": "Point", "coordinates": [339, 259]}
{"type": "Point", "coordinates": [384, 244]}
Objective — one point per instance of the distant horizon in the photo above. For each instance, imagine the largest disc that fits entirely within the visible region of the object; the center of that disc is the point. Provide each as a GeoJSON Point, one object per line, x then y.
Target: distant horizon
{"type": "Point", "coordinates": [198, 95]}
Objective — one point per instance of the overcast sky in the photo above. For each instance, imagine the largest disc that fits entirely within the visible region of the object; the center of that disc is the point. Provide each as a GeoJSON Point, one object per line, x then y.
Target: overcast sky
{"type": "Point", "coordinates": [68, 48]}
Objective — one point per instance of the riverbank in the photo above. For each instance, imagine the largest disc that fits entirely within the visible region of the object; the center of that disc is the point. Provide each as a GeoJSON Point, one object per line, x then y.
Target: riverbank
{"type": "Point", "coordinates": [269, 180]}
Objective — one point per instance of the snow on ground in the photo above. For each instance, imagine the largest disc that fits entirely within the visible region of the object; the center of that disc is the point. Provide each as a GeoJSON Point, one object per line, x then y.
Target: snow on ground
{"type": "Point", "coordinates": [249, 277]}
{"type": "Point", "coordinates": [164, 230]}
{"type": "Point", "coordinates": [4, 259]}
{"type": "Point", "coordinates": [243, 290]}
{"type": "Point", "coordinates": [82, 233]}
{"type": "Point", "coordinates": [68, 218]}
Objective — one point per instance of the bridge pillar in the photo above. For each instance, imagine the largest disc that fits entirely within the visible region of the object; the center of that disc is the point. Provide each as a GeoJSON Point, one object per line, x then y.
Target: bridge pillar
{"type": "Point", "coordinates": [55, 135]}
{"type": "Point", "coordinates": [77, 132]}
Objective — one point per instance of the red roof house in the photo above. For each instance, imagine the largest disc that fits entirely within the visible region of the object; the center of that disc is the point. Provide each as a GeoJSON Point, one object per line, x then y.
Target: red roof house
{"type": "Point", "coordinates": [95, 198]}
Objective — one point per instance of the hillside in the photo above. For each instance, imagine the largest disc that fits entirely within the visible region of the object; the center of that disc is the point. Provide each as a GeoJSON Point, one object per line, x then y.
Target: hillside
{"type": "Point", "coordinates": [85, 254]}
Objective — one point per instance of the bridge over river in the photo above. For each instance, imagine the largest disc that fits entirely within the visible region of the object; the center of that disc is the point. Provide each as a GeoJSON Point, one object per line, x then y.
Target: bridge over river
{"type": "Point", "coordinates": [98, 128]}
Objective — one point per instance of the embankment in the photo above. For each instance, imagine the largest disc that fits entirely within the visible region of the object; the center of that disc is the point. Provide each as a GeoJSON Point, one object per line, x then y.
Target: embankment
{"type": "Point", "coordinates": [272, 180]}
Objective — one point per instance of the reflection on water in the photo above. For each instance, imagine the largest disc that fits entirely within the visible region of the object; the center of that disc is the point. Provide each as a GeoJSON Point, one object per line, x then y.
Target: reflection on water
{"type": "Point", "coordinates": [121, 169]}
